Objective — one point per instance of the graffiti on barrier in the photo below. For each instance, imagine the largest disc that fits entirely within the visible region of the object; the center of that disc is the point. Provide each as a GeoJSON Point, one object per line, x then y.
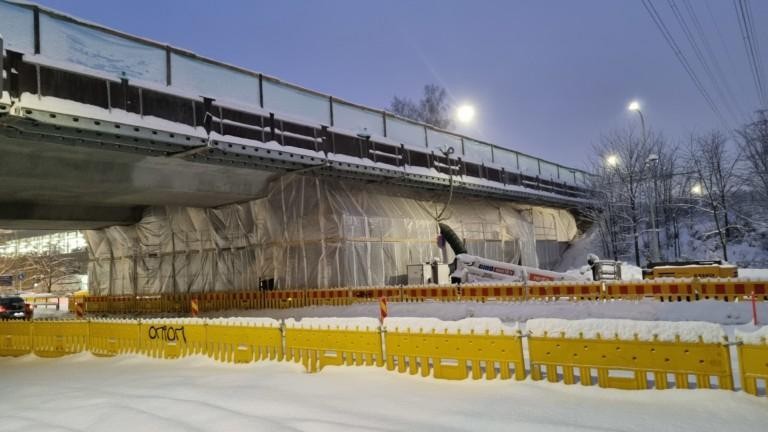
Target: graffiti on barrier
{"type": "Point", "coordinates": [167, 333]}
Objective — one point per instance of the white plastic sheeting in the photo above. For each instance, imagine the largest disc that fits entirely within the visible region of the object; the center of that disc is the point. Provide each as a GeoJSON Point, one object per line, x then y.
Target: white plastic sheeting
{"type": "Point", "coordinates": [306, 232]}
{"type": "Point", "coordinates": [553, 224]}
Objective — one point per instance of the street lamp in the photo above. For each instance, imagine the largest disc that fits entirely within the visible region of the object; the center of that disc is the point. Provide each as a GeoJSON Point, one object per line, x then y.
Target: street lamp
{"type": "Point", "coordinates": [697, 190]}
{"type": "Point", "coordinates": [653, 160]}
{"type": "Point", "coordinates": [635, 106]}
{"type": "Point", "coordinates": [465, 113]}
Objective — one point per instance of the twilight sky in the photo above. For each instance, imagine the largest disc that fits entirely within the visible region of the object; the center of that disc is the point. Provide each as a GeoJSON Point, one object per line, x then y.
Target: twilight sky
{"type": "Point", "coordinates": [547, 77]}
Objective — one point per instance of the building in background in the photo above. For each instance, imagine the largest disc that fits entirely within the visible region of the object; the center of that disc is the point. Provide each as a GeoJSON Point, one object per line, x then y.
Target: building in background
{"type": "Point", "coordinates": [43, 261]}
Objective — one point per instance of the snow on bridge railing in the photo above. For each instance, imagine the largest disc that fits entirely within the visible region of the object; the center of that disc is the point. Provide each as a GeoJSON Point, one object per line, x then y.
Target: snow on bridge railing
{"type": "Point", "coordinates": [56, 40]}
{"type": "Point", "coordinates": [612, 353]}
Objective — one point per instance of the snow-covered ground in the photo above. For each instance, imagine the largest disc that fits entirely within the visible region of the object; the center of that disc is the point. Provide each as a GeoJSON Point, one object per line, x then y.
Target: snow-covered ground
{"type": "Point", "coordinates": [648, 310]}
{"type": "Point", "coordinates": [84, 392]}
{"type": "Point", "coordinates": [134, 393]}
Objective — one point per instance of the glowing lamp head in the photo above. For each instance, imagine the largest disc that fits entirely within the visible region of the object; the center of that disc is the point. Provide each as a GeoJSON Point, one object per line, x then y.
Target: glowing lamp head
{"type": "Point", "coordinates": [634, 106]}
{"type": "Point", "coordinates": [612, 160]}
{"type": "Point", "coordinates": [697, 190]}
{"type": "Point", "coordinates": [465, 113]}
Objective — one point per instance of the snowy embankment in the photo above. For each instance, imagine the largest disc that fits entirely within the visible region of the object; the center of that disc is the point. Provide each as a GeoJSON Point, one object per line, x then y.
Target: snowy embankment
{"type": "Point", "coordinates": [132, 393]}
{"type": "Point", "coordinates": [713, 311]}
{"type": "Point", "coordinates": [663, 331]}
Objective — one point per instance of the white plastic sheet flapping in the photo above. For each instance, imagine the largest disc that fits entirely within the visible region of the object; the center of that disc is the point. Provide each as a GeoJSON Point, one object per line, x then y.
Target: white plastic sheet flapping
{"type": "Point", "coordinates": [306, 232]}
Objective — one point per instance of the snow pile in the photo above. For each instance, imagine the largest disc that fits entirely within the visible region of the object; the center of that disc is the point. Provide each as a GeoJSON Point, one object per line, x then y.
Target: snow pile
{"type": "Point", "coordinates": [757, 337]}
{"type": "Point", "coordinates": [492, 326]}
{"type": "Point", "coordinates": [77, 109]}
{"type": "Point", "coordinates": [199, 321]}
{"type": "Point", "coordinates": [629, 330]}
{"type": "Point", "coordinates": [753, 274]}
{"type": "Point", "coordinates": [727, 313]}
{"type": "Point", "coordinates": [114, 321]}
{"type": "Point", "coordinates": [234, 321]}
{"type": "Point", "coordinates": [362, 324]}
{"type": "Point", "coordinates": [244, 322]}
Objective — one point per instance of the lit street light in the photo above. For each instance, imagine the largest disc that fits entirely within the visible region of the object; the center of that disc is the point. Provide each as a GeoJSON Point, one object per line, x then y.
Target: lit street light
{"type": "Point", "coordinates": [635, 106]}
{"type": "Point", "coordinates": [465, 113]}
{"type": "Point", "coordinates": [612, 160]}
{"type": "Point", "coordinates": [697, 190]}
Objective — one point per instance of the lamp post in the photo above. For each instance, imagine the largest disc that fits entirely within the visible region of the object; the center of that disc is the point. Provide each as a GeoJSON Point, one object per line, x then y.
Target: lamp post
{"type": "Point", "coordinates": [652, 160]}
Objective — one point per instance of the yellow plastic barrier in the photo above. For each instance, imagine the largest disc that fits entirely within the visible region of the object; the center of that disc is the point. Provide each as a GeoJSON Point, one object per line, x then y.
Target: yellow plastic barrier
{"type": "Point", "coordinates": [449, 355]}
{"type": "Point", "coordinates": [316, 348]}
{"type": "Point", "coordinates": [59, 338]}
{"type": "Point", "coordinates": [753, 364]}
{"type": "Point", "coordinates": [112, 337]}
{"type": "Point", "coordinates": [172, 338]}
{"type": "Point", "coordinates": [15, 338]}
{"type": "Point", "coordinates": [626, 364]}
{"type": "Point", "coordinates": [616, 363]}
{"type": "Point", "coordinates": [243, 343]}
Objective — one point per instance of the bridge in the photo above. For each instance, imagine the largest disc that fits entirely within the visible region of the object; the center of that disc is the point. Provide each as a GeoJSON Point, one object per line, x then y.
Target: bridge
{"type": "Point", "coordinates": [96, 125]}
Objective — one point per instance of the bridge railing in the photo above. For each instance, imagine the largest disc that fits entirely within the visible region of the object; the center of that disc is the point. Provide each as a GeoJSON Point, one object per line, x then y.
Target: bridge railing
{"type": "Point", "coordinates": [148, 78]}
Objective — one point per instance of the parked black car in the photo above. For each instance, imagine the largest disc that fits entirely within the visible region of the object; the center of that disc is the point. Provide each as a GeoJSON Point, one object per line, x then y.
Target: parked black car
{"type": "Point", "coordinates": [12, 307]}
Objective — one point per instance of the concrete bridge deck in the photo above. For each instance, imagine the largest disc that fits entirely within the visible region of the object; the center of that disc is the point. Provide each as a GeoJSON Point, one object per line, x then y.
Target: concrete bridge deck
{"type": "Point", "coordinates": [96, 124]}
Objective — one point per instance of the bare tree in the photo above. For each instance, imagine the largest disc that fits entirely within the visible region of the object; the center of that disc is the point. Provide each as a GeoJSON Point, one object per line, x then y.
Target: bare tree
{"type": "Point", "coordinates": [405, 107]}
{"type": "Point", "coordinates": [9, 266]}
{"type": "Point", "coordinates": [670, 201]}
{"type": "Point", "coordinates": [49, 269]}
{"type": "Point", "coordinates": [715, 170]}
{"type": "Point", "coordinates": [621, 184]}
{"type": "Point", "coordinates": [432, 109]}
{"type": "Point", "coordinates": [434, 106]}
{"type": "Point", "coordinates": [754, 147]}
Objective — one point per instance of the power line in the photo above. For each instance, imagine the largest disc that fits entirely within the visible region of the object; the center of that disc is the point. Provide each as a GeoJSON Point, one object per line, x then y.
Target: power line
{"type": "Point", "coordinates": [740, 113]}
{"type": "Point", "coordinates": [654, 14]}
{"type": "Point", "coordinates": [758, 57]}
{"type": "Point", "coordinates": [700, 56]}
{"type": "Point", "coordinates": [726, 48]}
{"type": "Point", "coordinates": [746, 27]}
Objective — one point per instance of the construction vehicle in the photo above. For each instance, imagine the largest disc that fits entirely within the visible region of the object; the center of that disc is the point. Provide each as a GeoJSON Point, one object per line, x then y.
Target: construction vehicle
{"type": "Point", "coordinates": [690, 269]}
{"type": "Point", "coordinates": [471, 269]}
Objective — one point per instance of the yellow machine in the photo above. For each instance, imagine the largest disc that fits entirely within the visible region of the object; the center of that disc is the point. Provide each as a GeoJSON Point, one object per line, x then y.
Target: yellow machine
{"type": "Point", "coordinates": [690, 269]}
